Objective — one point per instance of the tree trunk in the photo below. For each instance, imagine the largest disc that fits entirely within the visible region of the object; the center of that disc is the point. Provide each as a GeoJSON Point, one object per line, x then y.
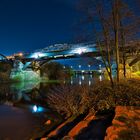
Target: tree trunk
{"type": "Point", "coordinates": [116, 31]}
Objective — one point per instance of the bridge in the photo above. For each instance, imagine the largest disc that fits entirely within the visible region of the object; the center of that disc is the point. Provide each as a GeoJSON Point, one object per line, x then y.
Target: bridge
{"type": "Point", "coordinates": [3, 58]}
{"type": "Point", "coordinates": [61, 52]}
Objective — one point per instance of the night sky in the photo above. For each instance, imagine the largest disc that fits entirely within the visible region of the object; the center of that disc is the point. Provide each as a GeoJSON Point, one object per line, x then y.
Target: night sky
{"type": "Point", "coordinates": [26, 25]}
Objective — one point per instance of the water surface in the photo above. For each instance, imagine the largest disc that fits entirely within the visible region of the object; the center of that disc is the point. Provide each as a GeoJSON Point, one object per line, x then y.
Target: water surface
{"type": "Point", "coordinates": [24, 109]}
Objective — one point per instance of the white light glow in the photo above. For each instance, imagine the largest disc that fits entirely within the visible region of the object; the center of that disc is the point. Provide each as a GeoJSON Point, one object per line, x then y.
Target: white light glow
{"type": "Point", "coordinates": [89, 83]}
{"type": "Point", "coordinates": [100, 78]}
{"type": "Point", "coordinates": [71, 82]}
{"type": "Point", "coordinates": [79, 66]}
{"type": "Point", "coordinates": [37, 55]}
{"type": "Point", "coordinates": [35, 108]}
{"type": "Point", "coordinates": [83, 77]}
{"type": "Point", "coordinates": [80, 82]}
{"type": "Point", "coordinates": [79, 50]}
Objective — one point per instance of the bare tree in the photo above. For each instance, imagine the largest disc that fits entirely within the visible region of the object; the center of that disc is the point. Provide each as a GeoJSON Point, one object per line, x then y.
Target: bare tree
{"type": "Point", "coordinates": [112, 28]}
{"type": "Point", "coordinates": [115, 15]}
{"type": "Point", "coordinates": [129, 27]}
{"type": "Point", "coordinates": [99, 17]}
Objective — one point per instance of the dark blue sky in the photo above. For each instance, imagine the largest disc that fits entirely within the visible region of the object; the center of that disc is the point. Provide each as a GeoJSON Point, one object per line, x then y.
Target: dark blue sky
{"type": "Point", "coordinates": [26, 25]}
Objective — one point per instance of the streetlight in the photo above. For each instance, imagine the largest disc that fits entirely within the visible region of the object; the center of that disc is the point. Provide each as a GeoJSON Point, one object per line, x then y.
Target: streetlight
{"type": "Point", "coordinates": [89, 67]}
{"type": "Point", "coordinates": [100, 68]}
{"type": "Point", "coordinates": [20, 54]}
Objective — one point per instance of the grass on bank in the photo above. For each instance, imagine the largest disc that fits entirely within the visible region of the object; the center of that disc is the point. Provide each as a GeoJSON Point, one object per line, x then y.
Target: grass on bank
{"type": "Point", "coordinates": [75, 100]}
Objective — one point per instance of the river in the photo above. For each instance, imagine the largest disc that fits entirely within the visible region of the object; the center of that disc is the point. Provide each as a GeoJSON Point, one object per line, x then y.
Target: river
{"type": "Point", "coordinates": [24, 113]}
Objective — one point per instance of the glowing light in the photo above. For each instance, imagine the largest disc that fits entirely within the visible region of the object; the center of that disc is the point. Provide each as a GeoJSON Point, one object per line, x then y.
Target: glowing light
{"type": "Point", "coordinates": [100, 78]}
{"type": "Point", "coordinates": [100, 68]}
{"type": "Point", "coordinates": [81, 50]}
{"type": "Point", "coordinates": [89, 83]}
{"type": "Point", "coordinates": [80, 82]}
{"type": "Point", "coordinates": [90, 75]}
{"type": "Point", "coordinates": [48, 122]}
{"type": "Point", "coordinates": [56, 56]}
{"type": "Point", "coordinates": [99, 58]}
{"type": "Point", "coordinates": [83, 77]}
{"type": "Point", "coordinates": [79, 66]}
{"type": "Point", "coordinates": [71, 82]}
{"type": "Point", "coordinates": [35, 108]}
{"type": "Point", "coordinates": [37, 55]}
{"type": "Point", "coordinates": [20, 54]}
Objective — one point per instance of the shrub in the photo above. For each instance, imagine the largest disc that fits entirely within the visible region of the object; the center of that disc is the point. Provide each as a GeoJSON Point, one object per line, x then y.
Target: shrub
{"type": "Point", "coordinates": [103, 105]}
{"type": "Point", "coordinates": [126, 135]}
{"type": "Point", "coordinates": [5, 70]}
{"type": "Point", "coordinates": [73, 100]}
{"type": "Point", "coordinates": [54, 71]}
{"type": "Point", "coordinates": [127, 93]}
{"type": "Point", "coordinates": [4, 77]}
{"type": "Point", "coordinates": [69, 100]}
{"type": "Point", "coordinates": [5, 93]}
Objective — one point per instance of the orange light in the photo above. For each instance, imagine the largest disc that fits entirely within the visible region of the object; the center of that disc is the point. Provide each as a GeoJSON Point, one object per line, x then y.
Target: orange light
{"type": "Point", "coordinates": [20, 54]}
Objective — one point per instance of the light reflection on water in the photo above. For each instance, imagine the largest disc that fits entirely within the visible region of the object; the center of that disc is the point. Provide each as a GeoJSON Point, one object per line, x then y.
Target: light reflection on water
{"type": "Point", "coordinates": [37, 109]}
{"type": "Point", "coordinates": [88, 79]}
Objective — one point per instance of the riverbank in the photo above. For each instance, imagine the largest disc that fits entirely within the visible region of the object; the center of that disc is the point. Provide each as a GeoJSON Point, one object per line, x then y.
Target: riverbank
{"type": "Point", "coordinates": [98, 99]}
